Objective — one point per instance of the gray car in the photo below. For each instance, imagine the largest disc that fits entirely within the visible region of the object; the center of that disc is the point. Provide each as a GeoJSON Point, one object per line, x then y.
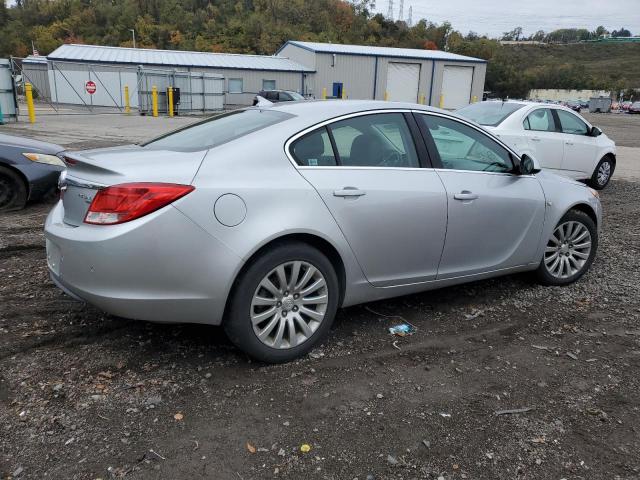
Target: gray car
{"type": "Point", "coordinates": [267, 220]}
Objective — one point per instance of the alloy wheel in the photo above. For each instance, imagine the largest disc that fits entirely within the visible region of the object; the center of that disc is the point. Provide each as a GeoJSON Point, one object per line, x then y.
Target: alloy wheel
{"type": "Point", "coordinates": [289, 304]}
{"type": "Point", "coordinates": [7, 192]}
{"type": "Point", "coordinates": [568, 249]}
{"type": "Point", "coordinates": [604, 172]}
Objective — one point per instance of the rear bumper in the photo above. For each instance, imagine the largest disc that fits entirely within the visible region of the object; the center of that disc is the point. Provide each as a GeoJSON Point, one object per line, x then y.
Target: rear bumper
{"type": "Point", "coordinates": [161, 268]}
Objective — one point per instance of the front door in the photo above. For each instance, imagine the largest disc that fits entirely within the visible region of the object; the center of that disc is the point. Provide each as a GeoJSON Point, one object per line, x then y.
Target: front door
{"type": "Point", "coordinates": [392, 212]}
{"type": "Point", "coordinates": [494, 216]}
{"type": "Point", "coordinates": [579, 147]}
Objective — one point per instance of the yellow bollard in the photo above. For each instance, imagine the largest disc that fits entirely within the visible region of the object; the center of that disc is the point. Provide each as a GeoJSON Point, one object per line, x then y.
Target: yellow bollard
{"type": "Point", "coordinates": [474, 99]}
{"type": "Point", "coordinates": [154, 100]}
{"type": "Point", "coordinates": [127, 106]}
{"type": "Point", "coordinates": [422, 99]}
{"type": "Point", "coordinates": [386, 96]}
{"type": "Point", "coordinates": [29, 94]}
{"type": "Point", "coordinates": [344, 94]}
{"type": "Point", "coordinates": [441, 105]}
{"type": "Point", "coordinates": [324, 93]}
{"type": "Point", "coordinates": [170, 97]}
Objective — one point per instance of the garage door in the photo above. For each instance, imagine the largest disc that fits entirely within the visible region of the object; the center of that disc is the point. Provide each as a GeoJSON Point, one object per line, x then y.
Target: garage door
{"type": "Point", "coordinates": [402, 82]}
{"type": "Point", "coordinates": [456, 87]}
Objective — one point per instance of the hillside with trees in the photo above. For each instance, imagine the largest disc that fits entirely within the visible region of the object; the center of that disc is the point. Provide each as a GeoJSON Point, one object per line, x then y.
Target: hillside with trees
{"type": "Point", "coordinates": [261, 26]}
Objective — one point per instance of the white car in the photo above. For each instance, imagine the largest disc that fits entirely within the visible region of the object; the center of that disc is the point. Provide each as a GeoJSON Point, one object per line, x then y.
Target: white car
{"type": "Point", "coordinates": [558, 138]}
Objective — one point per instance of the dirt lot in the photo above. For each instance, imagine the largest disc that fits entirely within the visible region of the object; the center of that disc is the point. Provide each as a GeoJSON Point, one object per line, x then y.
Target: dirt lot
{"type": "Point", "coordinates": [84, 395]}
{"type": "Point", "coordinates": [623, 128]}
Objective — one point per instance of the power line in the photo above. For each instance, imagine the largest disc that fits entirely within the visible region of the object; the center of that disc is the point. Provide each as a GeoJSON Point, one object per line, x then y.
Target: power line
{"type": "Point", "coordinates": [390, 10]}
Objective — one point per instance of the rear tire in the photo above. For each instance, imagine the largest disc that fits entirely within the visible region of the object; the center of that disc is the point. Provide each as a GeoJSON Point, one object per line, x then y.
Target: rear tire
{"type": "Point", "coordinates": [602, 173]}
{"type": "Point", "coordinates": [287, 318]}
{"type": "Point", "coordinates": [570, 251]}
{"type": "Point", "coordinates": [13, 190]}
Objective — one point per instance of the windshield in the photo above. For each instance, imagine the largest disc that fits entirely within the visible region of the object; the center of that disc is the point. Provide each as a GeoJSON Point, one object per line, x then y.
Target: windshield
{"type": "Point", "coordinates": [490, 114]}
{"type": "Point", "coordinates": [217, 130]}
{"type": "Point", "coordinates": [296, 95]}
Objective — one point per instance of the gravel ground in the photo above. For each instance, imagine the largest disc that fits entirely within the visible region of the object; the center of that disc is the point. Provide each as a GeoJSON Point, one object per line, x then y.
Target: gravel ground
{"type": "Point", "coordinates": [623, 128]}
{"type": "Point", "coordinates": [84, 395]}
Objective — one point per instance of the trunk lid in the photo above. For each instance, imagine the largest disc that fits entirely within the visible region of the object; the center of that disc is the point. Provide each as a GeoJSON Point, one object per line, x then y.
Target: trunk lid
{"type": "Point", "coordinates": [91, 170]}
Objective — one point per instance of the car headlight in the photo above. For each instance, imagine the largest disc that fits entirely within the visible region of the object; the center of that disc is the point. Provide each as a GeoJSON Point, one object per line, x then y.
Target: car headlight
{"type": "Point", "coordinates": [595, 193]}
{"type": "Point", "coordinates": [44, 158]}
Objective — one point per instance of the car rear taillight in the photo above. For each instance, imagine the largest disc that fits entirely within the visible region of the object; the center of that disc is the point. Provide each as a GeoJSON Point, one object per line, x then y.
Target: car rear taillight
{"type": "Point", "coordinates": [128, 201]}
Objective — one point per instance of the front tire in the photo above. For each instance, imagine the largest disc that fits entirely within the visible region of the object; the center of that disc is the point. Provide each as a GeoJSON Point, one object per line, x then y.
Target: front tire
{"type": "Point", "coordinates": [570, 251]}
{"type": "Point", "coordinates": [13, 191]}
{"type": "Point", "coordinates": [283, 304]}
{"type": "Point", "coordinates": [602, 173]}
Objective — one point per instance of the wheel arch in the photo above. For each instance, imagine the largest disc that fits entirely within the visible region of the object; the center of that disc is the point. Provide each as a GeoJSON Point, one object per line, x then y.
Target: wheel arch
{"type": "Point", "coordinates": [23, 177]}
{"type": "Point", "coordinates": [314, 240]}
{"type": "Point", "coordinates": [586, 209]}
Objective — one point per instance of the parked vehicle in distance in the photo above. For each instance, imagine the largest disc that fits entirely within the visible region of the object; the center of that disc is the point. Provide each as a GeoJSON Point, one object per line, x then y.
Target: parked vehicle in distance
{"type": "Point", "coordinates": [276, 96]}
{"type": "Point", "coordinates": [574, 105]}
{"type": "Point", "coordinates": [267, 220]}
{"type": "Point", "coordinates": [625, 105]}
{"type": "Point", "coordinates": [634, 107]}
{"type": "Point", "coordinates": [29, 170]}
{"type": "Point", "coordinates": [561, 140]}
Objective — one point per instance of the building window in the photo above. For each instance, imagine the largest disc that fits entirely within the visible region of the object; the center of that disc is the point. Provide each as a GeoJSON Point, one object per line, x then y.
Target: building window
{"type": "Point", "coordinates": [268, 84]}
{"type": "Point", "coordinates": [235, 85]}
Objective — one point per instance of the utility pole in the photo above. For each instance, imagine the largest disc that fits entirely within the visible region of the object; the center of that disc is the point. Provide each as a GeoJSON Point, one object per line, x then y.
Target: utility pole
{"type": "Point", "coordinates": [410, 19]}
{"type": "Point", "coordinates": [390, 10]}
{"type": "Point", "coordinates": [401, 13]}
{"type": "Point", "coordinates": [133, 35]}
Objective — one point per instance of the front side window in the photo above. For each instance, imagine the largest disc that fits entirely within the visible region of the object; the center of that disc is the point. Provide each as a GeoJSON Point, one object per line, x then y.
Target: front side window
{"type": "Point", "coordinates": [217, 130]}
{"type": "Point", "coordinates": [314, 150]}
{"type": "Point", "coordinates": [377, 140]}
{"type": "Point", "coordinates": [464, 148]}
{"type": "Point", "coordinates": [235, 85]}
{"type": "Point", "coordinates": [572, 124]}
{"type": "Point", "coordinates": [285, 97]}
{"type": "Point", "coordinates": [540, 120]}
{"type": "Point", "coordinates": [268, 84]}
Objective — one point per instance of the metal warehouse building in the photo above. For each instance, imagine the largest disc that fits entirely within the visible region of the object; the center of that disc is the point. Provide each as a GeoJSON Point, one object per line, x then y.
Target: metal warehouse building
{"type": "Point", "coordinates": [240, 77]}
{"type": "Point", "coordinates": [397, 74]}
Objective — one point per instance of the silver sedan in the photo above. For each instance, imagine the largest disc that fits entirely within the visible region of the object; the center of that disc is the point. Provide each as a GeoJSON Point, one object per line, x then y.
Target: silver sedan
{"type": "Point", "coordinates": [267, 220]}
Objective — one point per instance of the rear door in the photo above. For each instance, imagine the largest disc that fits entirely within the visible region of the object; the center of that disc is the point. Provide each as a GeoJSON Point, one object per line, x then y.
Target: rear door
{"type": "Point", "coordinates": [579, 147]}
{"type": "Point", "coordinates": [494, 216]}
{"type": "Point", "coordinates": [393, 213]}
{"type": "Point", "coordinates": [544, 138]}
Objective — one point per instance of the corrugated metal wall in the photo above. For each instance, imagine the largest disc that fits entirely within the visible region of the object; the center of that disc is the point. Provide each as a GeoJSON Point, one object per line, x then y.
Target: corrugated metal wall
{"type": "Point", "coordinates": [252, 82]}
{"type": "Point", "coordinates": [38, 76]}
{"type": "Point", "coordinates": [355, 72]}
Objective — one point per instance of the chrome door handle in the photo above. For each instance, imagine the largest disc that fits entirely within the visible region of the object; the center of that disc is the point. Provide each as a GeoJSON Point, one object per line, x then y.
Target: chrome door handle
{"type": "Point", "coordinates": [535, 139]}
{"type": "Point", "coordinates": [569, 143]}
{"type": "Point", "coordinates": [349, 192]}
{"type": "Point", "coordinates": [465, 195]}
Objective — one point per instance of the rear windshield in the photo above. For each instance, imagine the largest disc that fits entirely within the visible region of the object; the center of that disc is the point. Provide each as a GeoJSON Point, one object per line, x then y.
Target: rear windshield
{"type": "Point", "coordinates": [217, 130]}
{"type": "Point", "coordinates": [490, 114]}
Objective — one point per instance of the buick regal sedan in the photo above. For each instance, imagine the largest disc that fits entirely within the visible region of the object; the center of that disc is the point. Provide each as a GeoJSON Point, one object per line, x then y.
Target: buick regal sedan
{"type": "Point", "coordinates": [560, 139]}
{"type": "Point", "coordinates": [267, 220]}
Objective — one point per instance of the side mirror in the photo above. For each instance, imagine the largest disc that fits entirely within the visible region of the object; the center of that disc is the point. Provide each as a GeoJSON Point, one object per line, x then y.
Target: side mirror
{"type": "Point", "coordinates": [595, 132]}
{"type": "Point", "coordinates": [528, 166]}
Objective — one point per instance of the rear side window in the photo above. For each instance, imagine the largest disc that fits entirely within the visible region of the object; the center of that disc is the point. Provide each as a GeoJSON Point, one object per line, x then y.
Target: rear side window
{"type": "Point", "coordinates": [314, 150]}
{"type": "Point", "coordinates": [540, 120]}
{"type": "Point", "coordinates": [572, 124]}
{"type": "Point", "coordinates": [489, 114]}
{"type": "Point", "coordinates": [217, 130]}
{"type": "Point", "coordinates": [378, 140]}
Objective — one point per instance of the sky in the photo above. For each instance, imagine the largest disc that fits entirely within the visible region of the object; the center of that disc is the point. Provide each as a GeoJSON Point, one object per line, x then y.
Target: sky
{"type": "Point", "coordinates": [493, 17]}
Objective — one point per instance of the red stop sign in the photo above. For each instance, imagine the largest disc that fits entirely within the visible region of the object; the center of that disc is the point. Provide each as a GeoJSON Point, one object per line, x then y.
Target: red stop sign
{"type": "Point", "coordinates": [90, 87]}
